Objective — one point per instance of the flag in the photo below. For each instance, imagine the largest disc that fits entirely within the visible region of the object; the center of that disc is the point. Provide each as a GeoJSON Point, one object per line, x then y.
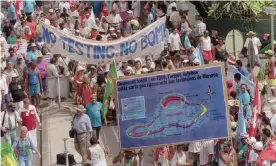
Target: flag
{"type": "Point", "coordinates": [269, 153]}
{"type": "Point", "coordinates": [197, 54]}
{"type": "Point", "coordinates": [91, 19]}
{"type": "Point", "coordinates": [109, 88]}
{"type": "Point", "coordinates": [241, 129]}
{"type": "Point", "coordinates": [7, 155]}
{"type": "Point", "coordinates": [255, 115]}
{"type": "Point", "coordinates": [187, 43]}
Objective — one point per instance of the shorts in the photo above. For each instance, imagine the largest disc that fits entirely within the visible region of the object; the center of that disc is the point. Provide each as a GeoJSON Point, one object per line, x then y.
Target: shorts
{"type": "Point", "coordinates": [44, 84]}
{"type": "Point", "coordinates": [207, 56]}
{"type": "Point", "coordinates": [34, 89]}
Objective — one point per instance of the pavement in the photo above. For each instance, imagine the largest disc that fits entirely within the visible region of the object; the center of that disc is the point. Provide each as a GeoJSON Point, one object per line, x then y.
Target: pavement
{"type": "Point", "coordinates": [55, 126]}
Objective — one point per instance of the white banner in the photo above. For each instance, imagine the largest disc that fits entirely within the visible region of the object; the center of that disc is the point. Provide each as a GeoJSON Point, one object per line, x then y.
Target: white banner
{"type": "Point", "coordinates": [145, 42]}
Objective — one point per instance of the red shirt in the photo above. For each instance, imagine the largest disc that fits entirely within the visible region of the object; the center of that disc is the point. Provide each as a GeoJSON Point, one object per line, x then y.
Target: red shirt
{"type": "Point", "coordinates": [32, 26]}
{"type": "Point", "coordinates": [28, 119]}
{"type": "Point", "coordinates": [85, 91]}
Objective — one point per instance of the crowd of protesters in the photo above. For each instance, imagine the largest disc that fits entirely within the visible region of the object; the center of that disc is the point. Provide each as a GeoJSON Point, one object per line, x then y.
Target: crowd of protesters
{"type": "Point", "coordinates": [24, 76]}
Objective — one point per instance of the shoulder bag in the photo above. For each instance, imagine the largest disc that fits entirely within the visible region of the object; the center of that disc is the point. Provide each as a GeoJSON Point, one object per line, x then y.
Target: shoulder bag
{"type": "Point", "coordinates": [3, 133]}
{"type": "Point", "coordinates": [72, 132]}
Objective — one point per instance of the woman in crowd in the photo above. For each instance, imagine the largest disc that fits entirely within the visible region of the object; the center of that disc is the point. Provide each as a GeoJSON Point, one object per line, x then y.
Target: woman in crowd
{"type": "Point", "coordinates": [100, 87]}
{"type": "Point", "coordinates": [96, 153]}
{"type": "Point", "coordinates": [79, 81]}
{"type": "Point", "coordinates": [33, 83]}
{"type": "Point", "coordinates": [227, 156]}
{"type": "Point", "coordinates": [180, 158]}
{"type": "Point", "coordinates": [85, 91]}
{"type": "Point", "coordinates": [23, 147]}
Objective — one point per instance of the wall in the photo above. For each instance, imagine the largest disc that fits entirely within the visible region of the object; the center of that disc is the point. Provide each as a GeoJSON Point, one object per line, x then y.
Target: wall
{"type": "Point", "coordinates": [223, 26]}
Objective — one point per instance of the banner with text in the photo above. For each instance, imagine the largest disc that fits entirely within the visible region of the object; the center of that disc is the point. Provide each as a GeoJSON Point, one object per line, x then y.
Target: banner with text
{"type": "Point", "coordinates": [144, 42]}
{"type": "Point", "coordinates": [171, 108]}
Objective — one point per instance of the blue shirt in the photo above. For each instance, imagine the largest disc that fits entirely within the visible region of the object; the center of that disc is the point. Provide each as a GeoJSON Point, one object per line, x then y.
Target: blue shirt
{"type": "Point", "coordinates": [150, 19]}
{"type": "Point", "coordinates": [82, 124]}
{"type": "Point", "coordinates": [97, 7]}
{"type": "Point", "coordinates": [32, 56]}
{"type": "Point", "coordinates": [29, 6]}
{"type": "Point", "coordinates": [24, 148]}
{"type": "Point", "coordinates": [94, 112]}
{"type": "Point", "coordinates": [11, 13]}
{"type": "Point", "coordinates": [243, 71]}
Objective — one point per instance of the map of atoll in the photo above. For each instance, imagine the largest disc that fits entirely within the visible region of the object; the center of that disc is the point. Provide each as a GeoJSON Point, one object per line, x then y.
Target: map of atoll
{"type": "Point", "coordinates": [178, 109]}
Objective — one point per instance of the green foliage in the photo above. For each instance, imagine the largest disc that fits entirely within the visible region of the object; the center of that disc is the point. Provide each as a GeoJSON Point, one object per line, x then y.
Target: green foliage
{"type": "Point", "coordinates": [238, 9]}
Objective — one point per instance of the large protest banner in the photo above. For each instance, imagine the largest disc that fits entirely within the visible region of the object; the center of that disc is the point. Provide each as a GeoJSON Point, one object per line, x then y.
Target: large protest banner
{"type": "Point", "coordinates": [144, 42]}
{"type": "Point", "coordinates": [168, 108]}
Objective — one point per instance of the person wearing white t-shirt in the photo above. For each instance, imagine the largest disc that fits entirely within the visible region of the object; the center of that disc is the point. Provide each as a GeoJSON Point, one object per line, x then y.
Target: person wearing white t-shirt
{"type": "Point", "coordinates": [256, 45]}
{"type": "Point", "coordinates": [206, 152]}
{"type": "Point", "coordinates": [170, 6]}
{"type": "Point", "coordinates": [174, 17]}
{"type": "Point", "coordinates": [174, 41]}
{"type": "Point", "coordinates": [206, 46]}
{"type": "Point", "coordinates": [136, 7]}
{"type": "Point", "coordinates": [114, 19]}
{"type": "Point", "coordinates": [194, 149]}
{"type": "Point", "coordinates": [273, 119]}
{"type": "Point", "coordinates": [2, 92]}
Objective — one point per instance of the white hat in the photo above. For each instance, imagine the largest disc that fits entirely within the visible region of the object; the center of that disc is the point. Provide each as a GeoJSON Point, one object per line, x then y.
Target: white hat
{"type": "Point", "coordinates": [258, 146]}
{"type": "Point", "coordinates": [33, 45]}
{"type": "Point", "coordinates": [79, 68]}
{"type": "Point", "coordinates": [251, 140]}
{"type": "Point", "coordinates": [185, 61]}
{"type": "Point", "coordinates": [112, 29]}
{"type": "Point", "coordinates": [145, 70]}
{"type": "Point", "coordinates": [51, 10]}
{"type": "Point", "coordinates": [130, 12]}
{"type": "Point", "coordinates": [273, 107]}
{"type": "Point", "coordinates": [196, 61]}
{"type": "Point", "coordinates": [14, 75]}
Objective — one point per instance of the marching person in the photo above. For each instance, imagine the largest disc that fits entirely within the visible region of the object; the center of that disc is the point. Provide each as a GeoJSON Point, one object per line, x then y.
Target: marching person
{"type": "Point", "coordinates": [83, 129]}
{"type": "Point", "coordinates": [30, 118]}
{"type": "Point", "coordinates": [10, 119]}
{"type": "Point", "coordinates": [95, 153]}
{"type": "Point", "coordinates": [94, 111]}
{"type": "Point", "coordinates": [17, 92]}
{"type": "Point", "coordinates": [23, 147]}
{"type": "Point", "coordinates": [33, 83]}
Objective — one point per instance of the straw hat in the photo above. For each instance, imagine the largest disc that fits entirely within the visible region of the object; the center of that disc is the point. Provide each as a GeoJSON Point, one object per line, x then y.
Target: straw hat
{"type": "Point", "coordinates": [269, 52]}
{"type": "Point", "coordinates": [233, 125]}
{"type": "Point", "coordinates": [234, 103]}
{"type": "Point", "coordinates": [40, 55]}
{"type": "Point", "coordinates": [80, 108]}
{"type": "Point", "coordinates": [251, 33]}
{"type": "Point", "coordinates": [232, 59]}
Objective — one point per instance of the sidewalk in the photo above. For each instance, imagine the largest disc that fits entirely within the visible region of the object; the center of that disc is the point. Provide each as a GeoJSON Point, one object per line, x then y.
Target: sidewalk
{"type": "Point", "coordinates": [56, 125]}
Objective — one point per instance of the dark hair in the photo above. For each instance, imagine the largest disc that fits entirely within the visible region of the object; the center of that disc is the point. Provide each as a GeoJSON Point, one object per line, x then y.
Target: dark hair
{"type": "Point", "coordinates": [173, 8]}
{"type": "Point", "coordinates": [100, 79]}
{"type": "Point", "coordinates": [11, 49]}
{"type": "Point", "coordinates": [237, 76]}
{"type": "Point", "coordinates": [266, 132]}
{"type": "Point", "coordinates": [233, 94]}
{"type": "Point", "coordinates": [200, 18]}
{"type": "Point", "coordinates": [136, 62]}
{"type": "Point", "coordinates": [266, 121]}
{"type": "Point", "coordinates": [94, 140]}
{"type": "Point", "coordinates": [99, 37]}
{"type": "Point", "coordinates": [239, 62]}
